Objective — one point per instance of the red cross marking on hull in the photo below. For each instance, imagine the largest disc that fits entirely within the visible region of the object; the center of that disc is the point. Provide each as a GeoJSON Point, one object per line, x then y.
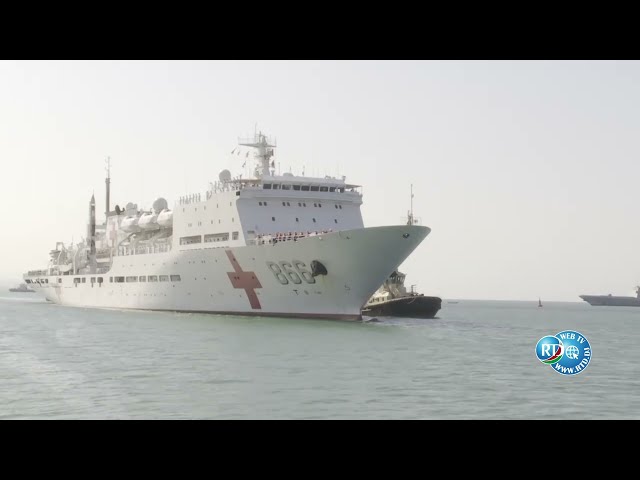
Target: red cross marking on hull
{"type": "Point", "coordinates": [246, 280]}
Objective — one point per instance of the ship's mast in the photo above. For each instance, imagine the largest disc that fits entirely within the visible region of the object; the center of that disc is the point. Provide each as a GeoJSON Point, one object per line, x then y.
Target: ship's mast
{"type": "Point", "coordinates": [264, 147]}
{"type": "Point", "coordinates": [91, 235]}
{"type": "Point", "coordinates": [410, 220]}
{"type": "Point", "coordinates": [107, 181]}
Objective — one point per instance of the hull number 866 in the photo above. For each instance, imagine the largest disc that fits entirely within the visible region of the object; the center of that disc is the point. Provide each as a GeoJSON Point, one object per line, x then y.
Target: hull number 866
{"type": "Point", "coordinates": [291, 272]}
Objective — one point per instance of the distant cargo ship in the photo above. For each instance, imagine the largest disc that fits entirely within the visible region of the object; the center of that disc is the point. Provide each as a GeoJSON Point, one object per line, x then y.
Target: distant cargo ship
{"type": "Point", "coordinates": [22, 289]}
{"type": "Point", "coordinates": [612, 301]}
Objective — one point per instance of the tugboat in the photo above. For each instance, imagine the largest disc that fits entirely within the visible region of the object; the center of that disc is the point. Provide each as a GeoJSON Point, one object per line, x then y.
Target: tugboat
{"type": "Point", "coordinates": [392, 298]}
{"type": "Point", "coordinates": [22, 289]}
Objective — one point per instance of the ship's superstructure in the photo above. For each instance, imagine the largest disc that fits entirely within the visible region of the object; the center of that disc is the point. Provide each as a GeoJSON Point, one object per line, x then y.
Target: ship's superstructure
{"type": "Point", "coordinates": [270, 245]}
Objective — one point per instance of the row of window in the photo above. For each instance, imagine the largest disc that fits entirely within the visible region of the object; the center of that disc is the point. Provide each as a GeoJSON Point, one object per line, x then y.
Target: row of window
{"type": "Point", "coordinates": [211, 237]}
{"type": "Point", "coordinates": [300, 204]}
{"type": "Point", "coordinates": [130, 279]}
{"type": "Point", "coordinates": [200, 223]}
{"type": "Point", "coordinates": [304, 188]}
{"type": "Point", "coordinates": [205, 207]}
{"type": "Point", "coordinates": [335, 220]}
{"type": "Point", "coordinates": [145, 278]}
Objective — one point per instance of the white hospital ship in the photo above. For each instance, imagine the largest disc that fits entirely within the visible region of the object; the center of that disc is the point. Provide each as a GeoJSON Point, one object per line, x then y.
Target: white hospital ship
{"type": "Point", "coordinates": [272, 245]}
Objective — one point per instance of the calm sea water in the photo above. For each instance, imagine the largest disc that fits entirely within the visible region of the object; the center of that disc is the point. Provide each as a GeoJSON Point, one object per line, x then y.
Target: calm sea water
{"type": "Point", "coordinates": [475, 361]}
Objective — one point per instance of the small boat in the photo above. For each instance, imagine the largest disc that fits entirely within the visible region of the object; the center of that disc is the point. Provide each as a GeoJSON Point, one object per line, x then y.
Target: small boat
{"type": "Point", "coordinates": [539, 302]}
{"type": "Point", "coordinates": [22, 288]}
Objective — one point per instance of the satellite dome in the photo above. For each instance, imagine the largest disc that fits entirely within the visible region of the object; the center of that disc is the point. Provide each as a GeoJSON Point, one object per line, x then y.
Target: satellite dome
{"type": "Point", "coordinates": [159, 204]}
{"type": "Point", "coordinates": [224, 175]}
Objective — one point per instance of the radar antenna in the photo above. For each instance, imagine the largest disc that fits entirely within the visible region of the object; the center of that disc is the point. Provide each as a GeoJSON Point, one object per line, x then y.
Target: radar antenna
{"type": "Point", "coordinates": [264, 152]}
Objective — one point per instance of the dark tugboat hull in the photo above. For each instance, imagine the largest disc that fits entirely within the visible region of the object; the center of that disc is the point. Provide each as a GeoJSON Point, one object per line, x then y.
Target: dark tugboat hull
{"type": "Point", "coordinates": [417, 306]}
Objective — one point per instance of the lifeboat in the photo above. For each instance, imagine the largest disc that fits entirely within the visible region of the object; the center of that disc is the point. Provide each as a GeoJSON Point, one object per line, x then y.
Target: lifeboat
{"type": "Point", "coordinates": [165, 218]}
{"type": "Point", "coordinates": [148, 221]}
{"type": "Point", "coordinates": [130, 224]}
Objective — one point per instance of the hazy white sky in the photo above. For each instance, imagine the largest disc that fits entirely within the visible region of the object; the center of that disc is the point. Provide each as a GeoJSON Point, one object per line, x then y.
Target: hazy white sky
{"type": "Point", "coordinates": [526, 171]}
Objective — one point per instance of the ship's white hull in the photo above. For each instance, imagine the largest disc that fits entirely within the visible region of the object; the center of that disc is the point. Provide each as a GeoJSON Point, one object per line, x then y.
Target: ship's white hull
{"type": "Point", "coordinates": [269, 280]}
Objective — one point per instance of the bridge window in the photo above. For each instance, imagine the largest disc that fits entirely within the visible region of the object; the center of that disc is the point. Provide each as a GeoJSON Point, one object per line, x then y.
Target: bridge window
{"type": "Point", "coordinates": [175, 278]}
{"type": "Point", "coordinates": [152, 278]}
{"type": "Point", "coordinates": [93, 279]}
{"type": "Point", "coordinates": [164, 278]}
{"type": "Point", "coordinates": [216, 237]}
{"type": "Point", "coordinates": [132, 279]}
{"type": "Point", "coordinates": [234, 236]}
{"type": "Point", "coordinates": [59, 280]}
{"type": "Point", "coordinates": [276, 186]}
{"type": "Point", "coordinates": [84, 279]}
{"type": "Point", "coordinates": [76, 280]}
{"type": "Point", "coordinates": [340, 207]}
{"type": "Point", "coordinates": [119, 279]}
{"type": "Point", "coordinates": [296, 187]}
{"type": "Point", "coordinates": [324, 189]}
{"type": "Point", "coordinates": [332, 189]}
{"type": "Point", "coordinates": [284, 204]}
{"type": "Point", "coordinates": [191, 240]}
{"type": "Point", "coordinates": [260, 203]}
{"type": "Point", "coordinates": [267, 186]}
{"type": "Point", "coordinates": [315, 188]}
{"type": "Point", "coordinates": [286, 187]}
{"type": "Point", "coordinates": [304, 188]}
{"type": "Point", "coordinates": [99, 279]}
{"type": "Point", "coordinates": [143, 278]}
{"type": "Point", "coordinates": [110, 279]}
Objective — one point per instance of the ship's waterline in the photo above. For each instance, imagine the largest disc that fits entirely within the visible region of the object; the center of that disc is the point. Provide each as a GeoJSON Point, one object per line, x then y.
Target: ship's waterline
{"type": "Point", "coordinates": [272, 245]}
